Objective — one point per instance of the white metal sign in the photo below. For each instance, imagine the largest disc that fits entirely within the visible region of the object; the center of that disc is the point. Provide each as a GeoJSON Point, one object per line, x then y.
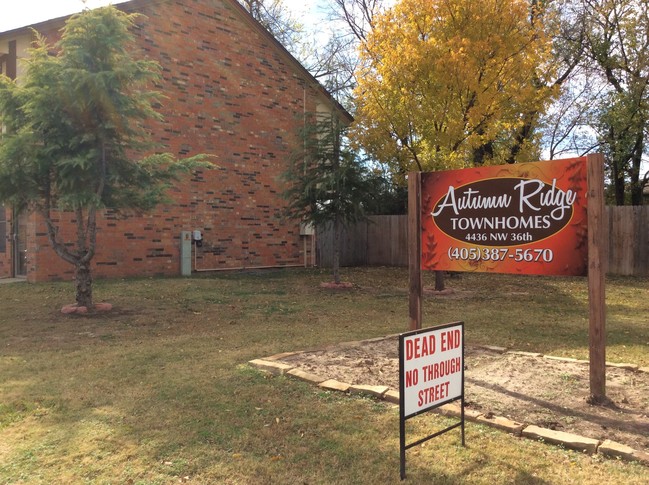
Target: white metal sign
{"type": "Point", "coordinates": [432, 364]}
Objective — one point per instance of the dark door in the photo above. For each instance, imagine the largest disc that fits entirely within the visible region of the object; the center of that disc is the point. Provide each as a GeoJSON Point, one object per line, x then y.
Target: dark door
{"type": "Point", "coordinates": [19, 238]}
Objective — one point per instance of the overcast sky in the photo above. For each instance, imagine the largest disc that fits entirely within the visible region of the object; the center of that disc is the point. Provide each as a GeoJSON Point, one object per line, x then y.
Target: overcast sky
{"type": "Point", "coordinates": [18, 13]}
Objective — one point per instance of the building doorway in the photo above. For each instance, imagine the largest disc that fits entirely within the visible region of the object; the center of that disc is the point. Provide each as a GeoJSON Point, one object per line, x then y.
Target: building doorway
{"type": "Point", "coordinates": [19, 239]}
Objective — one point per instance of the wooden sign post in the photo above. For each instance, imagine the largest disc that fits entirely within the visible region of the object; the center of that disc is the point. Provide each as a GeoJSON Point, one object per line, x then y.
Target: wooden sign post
{"type": "Point", "coordinates": [414, 249]}
{"type": "Point", "coordinates": [596, 279]}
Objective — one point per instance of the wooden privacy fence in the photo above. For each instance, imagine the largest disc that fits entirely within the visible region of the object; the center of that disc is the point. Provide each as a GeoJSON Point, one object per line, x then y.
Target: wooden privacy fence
{"type": "Point", "coordinates": [379, 241]}
{"type": "Point", "coordinates": [382, 241]}
{"type": "Point", "coordinates": [628, 240]}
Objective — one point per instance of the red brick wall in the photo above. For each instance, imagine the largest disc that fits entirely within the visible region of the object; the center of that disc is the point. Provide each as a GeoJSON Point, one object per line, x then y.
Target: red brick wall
{"type": "Point", "coordinates": [232, 93]}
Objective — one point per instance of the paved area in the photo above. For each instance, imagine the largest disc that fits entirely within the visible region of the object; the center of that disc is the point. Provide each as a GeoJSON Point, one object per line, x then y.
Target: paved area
{"type": "Point", "coordinates": [4, 281]}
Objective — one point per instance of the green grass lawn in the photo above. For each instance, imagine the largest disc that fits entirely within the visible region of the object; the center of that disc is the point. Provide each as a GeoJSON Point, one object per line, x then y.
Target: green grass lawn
{"type": "Point", "coordinates": [159, 390]}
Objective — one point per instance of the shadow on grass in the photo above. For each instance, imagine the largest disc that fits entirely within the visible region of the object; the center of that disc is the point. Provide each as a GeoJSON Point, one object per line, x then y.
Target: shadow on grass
{"type": "Point", "coordinates": [541, 314]}
{"type": "Point", "coordinates": [154, 393]}
{"type": "Point", "coordinates": [237, 426]}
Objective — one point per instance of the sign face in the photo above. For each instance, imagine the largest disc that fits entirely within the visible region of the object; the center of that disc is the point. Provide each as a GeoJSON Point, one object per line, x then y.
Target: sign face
{"type": "Point", "coordinates": [527, 218]}
{"type": "Point", "coordinates": [432, 367]}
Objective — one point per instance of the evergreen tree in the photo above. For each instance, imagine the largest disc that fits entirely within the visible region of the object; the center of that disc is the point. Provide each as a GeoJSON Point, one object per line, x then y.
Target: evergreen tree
{"type": "Point", "coordinates": [326, 182]}
{"type": "Point", "coordinates": [73, 124]}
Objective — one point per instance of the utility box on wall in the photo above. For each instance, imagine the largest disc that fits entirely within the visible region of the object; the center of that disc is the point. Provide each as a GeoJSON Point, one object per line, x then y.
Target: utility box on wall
{"type": "Point", "coordinates": [185, 253]}
{"type": "Point", "coordinates": [307, 229]}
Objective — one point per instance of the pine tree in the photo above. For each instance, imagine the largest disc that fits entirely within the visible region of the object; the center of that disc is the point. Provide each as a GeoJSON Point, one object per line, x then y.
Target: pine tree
{"type": "Point", "coordinates": [73, 124]}
{"type": "Point", "coordinates": [326, 182]}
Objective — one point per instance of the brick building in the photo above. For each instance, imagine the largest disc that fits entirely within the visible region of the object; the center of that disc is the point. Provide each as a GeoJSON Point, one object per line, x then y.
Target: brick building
{"type": "Point", "coordinates": [232, 91]}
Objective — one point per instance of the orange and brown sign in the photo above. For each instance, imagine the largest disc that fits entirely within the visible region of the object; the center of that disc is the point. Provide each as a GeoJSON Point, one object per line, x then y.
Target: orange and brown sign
{"type": "Point", "coordinates": [527, 218]}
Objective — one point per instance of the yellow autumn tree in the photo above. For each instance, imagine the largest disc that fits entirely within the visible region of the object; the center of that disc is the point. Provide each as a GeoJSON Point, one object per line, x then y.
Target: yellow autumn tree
{"type": "Point", "coordinates": [452, 83]}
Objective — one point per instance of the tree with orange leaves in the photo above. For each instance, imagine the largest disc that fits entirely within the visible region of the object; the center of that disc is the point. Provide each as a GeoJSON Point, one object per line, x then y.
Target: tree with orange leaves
{"type": "Point", "coordinates": [452, 83]}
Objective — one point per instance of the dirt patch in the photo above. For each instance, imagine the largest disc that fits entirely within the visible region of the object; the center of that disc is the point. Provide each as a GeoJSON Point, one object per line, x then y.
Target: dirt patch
{"type": "Point", "coordinates": [82, 310]}
{"type": "Point", "coordinates": [532, 390]}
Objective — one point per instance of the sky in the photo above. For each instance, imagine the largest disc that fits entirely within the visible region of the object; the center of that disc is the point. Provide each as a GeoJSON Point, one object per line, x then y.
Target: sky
{"type": "Point", "coordinates": [19, 13]}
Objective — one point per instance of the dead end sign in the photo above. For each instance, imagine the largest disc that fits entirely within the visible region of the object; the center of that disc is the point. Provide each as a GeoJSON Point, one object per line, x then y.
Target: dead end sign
{"type": "Point", "coordinates": [431, 373]}
{"type": "Point", "coordinates": [432, 368]}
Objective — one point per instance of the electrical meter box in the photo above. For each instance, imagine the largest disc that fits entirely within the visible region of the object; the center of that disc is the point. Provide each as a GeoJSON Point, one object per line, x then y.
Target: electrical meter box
{"type": "Point", "coordinates": [186, 253]}
{"type": "Point", "coordinates": [306, 229]}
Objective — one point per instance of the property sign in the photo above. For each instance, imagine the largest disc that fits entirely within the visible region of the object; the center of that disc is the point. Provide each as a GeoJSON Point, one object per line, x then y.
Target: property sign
{"type": "Point", "coordinates": [532, 218]}
{"type": "Point", "coordinates": [431, 367]}
{"type": "Point", "coordinates": [527, 218]}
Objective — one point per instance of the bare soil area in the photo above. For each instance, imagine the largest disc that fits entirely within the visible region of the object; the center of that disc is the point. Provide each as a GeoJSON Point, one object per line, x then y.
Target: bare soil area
{"type": "Point", "coordinates": [532, 390]}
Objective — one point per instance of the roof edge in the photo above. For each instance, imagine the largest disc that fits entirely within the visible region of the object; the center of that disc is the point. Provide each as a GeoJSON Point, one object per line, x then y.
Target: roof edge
{"type": "Point", "coordinates": [132, 5]}
{"type": "Point", "coordinates": [292, 58]}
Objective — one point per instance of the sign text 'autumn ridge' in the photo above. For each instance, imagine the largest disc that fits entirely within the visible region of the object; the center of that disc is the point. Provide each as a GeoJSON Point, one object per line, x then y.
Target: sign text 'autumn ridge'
{"type": "Point", "coordinates": [526, 218]}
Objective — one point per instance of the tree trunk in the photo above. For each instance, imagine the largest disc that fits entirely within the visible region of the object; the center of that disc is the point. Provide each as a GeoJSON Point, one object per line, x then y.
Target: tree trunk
{"type": "Point", "coordinates": [617, 179]}
{"type": "Point", "coordinates": [439, 281]}
{"type": "Point", "coordinates": [336, 262]}
{"type": "Point", "coordinates": [83, 278]}
{"type": "Point", "coordinates": [636, 186]}
{"type": "Point", "coordinates": [637, 196]}
{"type": "Point", "coordinates": [618, 185]}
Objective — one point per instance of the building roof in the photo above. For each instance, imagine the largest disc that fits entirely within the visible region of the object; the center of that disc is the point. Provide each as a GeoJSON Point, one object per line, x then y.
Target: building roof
{"type": "Point", "coordinates": [135, 6]}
